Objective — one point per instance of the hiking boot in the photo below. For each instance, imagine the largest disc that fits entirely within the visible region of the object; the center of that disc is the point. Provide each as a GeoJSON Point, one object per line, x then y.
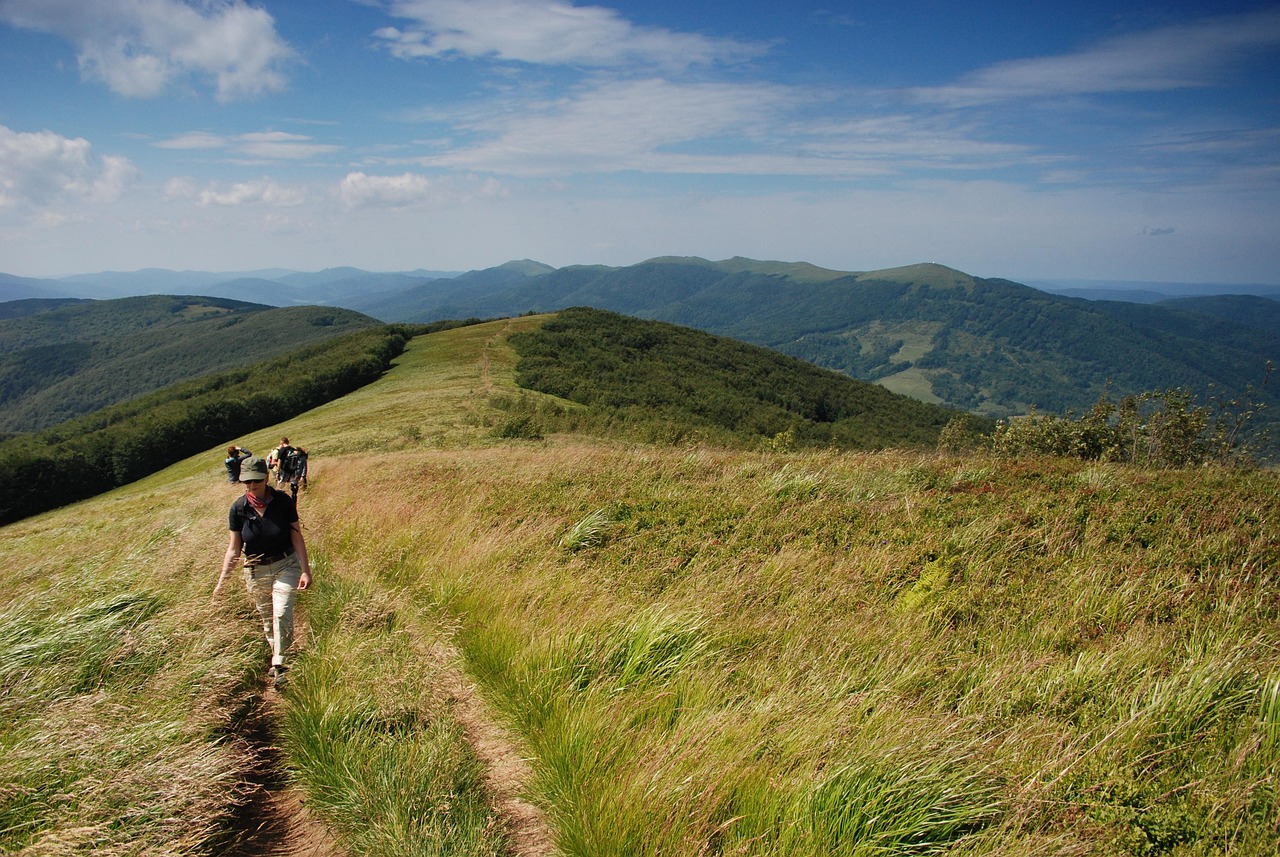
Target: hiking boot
{"type": "Point", "coordinates": [278, 675]}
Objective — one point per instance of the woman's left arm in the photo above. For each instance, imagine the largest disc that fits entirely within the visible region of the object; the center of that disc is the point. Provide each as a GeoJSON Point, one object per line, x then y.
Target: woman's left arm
{"type": "Point", "coordinates": [300, 550]}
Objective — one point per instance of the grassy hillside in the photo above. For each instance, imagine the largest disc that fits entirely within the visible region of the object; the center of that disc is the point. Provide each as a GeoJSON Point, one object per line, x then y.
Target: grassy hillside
{"type": "Point", "coordinates": [699, 650]}
{"type": "Point", "coordinates": [79, 358]}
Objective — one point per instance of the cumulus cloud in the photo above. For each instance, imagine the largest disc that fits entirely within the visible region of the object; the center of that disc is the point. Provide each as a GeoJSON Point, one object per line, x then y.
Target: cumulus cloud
{"type": "Point", "coordinates": [1175, 57]}
{"type": "Point", "coordinates": [139, 48]}
{"type": "Point", "coordinates": [42, 168]}
{"type": "Point", "coordinates": [359, 190]}
{"type": "Point", "coordinates": [547, 32]}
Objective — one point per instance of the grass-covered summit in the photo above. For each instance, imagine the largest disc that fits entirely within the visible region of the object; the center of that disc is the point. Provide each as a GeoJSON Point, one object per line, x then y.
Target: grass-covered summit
{"type": "Point", "coordinates": [697, 649]}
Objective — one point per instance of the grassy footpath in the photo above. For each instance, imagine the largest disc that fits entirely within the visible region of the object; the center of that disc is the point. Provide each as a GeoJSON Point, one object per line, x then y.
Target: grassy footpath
{"type": "Point", "coordinates": [703, 651]}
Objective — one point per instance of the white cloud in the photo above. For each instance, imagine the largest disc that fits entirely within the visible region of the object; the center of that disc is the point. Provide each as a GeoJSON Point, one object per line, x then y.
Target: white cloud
{"type": "Point", "coordinates": [547, 32]}
{"type": "Point", "coordinates": [277, 145]}
{"type": "Point", "coordinates": [180, 187]}
{"type": "Point", "coordinates": [1176, 57]}
{"type": "Point", "coordinates": [194, 140]}
{"type": "Point", "coordinates": [261, 192]}
{"type": "Point", "coordinates": [116, 176]}
{"type": "Point", "coordinates": [260, 145]}
{"type": "Point", "coordinates": [616, 125]}
{"type": "Point", "coordinates": [359, 190]}
{"type": "Point", "coordinates": [141, 47]}
{"type": "Point", "coordinates": [748, 129]}
{"type": "Point", "coordinates": [42, 169]}
{"type": "Point", "coordinates": [904, 140]}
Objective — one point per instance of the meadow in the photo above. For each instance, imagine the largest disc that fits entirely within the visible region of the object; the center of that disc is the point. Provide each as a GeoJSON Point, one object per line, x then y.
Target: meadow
{"type": "Point", "coordinates": [695, 649]}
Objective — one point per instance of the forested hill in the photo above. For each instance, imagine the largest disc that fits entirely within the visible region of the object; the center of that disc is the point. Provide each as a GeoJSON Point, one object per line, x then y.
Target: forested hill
{"type": "Point", "coordinates": [665, 381]}
{"type": "Point", "coordinates": [79, 357]}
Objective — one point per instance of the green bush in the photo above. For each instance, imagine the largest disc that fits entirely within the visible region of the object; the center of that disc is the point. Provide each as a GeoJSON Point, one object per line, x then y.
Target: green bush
{"type": "Point", "coordinates": [1165, 428]}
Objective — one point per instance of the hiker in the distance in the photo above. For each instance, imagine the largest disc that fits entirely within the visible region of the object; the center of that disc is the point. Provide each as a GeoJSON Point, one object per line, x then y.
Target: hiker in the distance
{"type": "Point", "coordinates": [264, 526]}
{"type": "Point", "coordinates": [235, 455]}
{"type": "Point", "coordinates": [278, 460]}
{"type": "Point", "coordinates": [297, 471]}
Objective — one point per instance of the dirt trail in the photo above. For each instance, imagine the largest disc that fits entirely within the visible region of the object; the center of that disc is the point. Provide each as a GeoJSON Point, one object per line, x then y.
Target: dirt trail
{"type": "Point", "coordinates": [276, 822]}
{"type": "Point", "coordinates": [506, 770]}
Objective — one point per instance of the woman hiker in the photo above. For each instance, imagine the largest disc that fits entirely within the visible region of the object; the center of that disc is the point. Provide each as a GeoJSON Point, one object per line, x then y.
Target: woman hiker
{"type": "Point", "coordinates": [264, 525]}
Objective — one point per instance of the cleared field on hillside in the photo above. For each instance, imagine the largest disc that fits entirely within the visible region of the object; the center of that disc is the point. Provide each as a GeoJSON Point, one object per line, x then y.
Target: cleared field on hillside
{"type": "Point", "coordinates": [699, 651]}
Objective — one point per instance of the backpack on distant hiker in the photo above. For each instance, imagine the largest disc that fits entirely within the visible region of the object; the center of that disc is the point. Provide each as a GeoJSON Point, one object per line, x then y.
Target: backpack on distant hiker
{"type": "Point", "coordinates": [284, 460]}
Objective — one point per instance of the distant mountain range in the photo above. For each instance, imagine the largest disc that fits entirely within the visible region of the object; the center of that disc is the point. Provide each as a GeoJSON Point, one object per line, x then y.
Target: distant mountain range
{"type": "Point", "coordinates": [990, 346]}
{"type": "Point", "coordinates": [346, 286]}
{"type": "Point", "coordinates": [1148, 292]}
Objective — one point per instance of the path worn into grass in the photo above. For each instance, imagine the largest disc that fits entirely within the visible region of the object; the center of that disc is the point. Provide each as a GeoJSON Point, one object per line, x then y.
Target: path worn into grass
{"type": "Point", "coordinates": [276, 822]}
{"type": "Point", "coordinates": [505, 770]}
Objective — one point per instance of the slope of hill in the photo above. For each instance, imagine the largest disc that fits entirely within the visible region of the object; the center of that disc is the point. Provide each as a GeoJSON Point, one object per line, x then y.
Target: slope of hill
{"type": "Point", "coordinates": [34, 306]}
{"type": "Point", "coordinates": [658, 376]}
{"type": "Point", "coordinates": [271, 286]}
{"type": "Point", "coordinates": [118, 444]}
{"type": "Point", "coordinates": [697, 650]}
{"type": "Point", "coordinates": [75, 359]}
{"type": "Point", "coordinates": [1140, 291]}
{"type": "Point", "coordinates": [14, 288]}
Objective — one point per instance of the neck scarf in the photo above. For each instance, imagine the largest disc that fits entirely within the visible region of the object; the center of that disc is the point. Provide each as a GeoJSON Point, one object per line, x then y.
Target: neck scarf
{"type": "Point", "coordinates": [258, 505]}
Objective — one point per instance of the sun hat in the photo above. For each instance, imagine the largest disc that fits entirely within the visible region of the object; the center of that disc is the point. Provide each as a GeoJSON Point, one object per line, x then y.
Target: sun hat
{"type": "Point", "coordinates": [253, 469]}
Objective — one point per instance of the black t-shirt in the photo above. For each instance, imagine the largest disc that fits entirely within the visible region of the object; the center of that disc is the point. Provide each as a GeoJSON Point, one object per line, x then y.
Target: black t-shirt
{"type": "Point", "coordinates": [267, 534]}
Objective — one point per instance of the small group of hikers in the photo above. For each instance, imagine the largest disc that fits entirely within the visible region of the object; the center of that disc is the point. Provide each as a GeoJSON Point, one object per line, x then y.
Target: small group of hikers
{"type": "Point", "coordinates": [264, 528]}
{"type": "Point", "coordinates": [286, 461]}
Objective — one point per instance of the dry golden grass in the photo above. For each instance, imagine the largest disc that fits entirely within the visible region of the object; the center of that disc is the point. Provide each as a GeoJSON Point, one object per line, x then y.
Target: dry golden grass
{"type": "Point", "coordinates": [711, 651]}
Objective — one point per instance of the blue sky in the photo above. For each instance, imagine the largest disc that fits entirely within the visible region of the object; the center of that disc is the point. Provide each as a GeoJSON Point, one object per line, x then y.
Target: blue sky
{"type": "Point", "coordinates": [1026, 140]}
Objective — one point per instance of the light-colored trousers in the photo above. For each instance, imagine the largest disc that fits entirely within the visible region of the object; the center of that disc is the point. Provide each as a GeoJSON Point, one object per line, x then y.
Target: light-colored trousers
{"type": "Point", "coordinates": [272, 587]}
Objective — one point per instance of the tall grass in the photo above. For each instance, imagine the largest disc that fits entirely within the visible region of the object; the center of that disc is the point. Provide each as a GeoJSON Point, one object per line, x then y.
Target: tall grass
{"type": "Point", "coordinates": [119, 691]}
{"type": "Point", "coordinates": [1055, 628]}
{"type": "Point", "coordinates": [699, 651]}
{"type": "Point", "coordinates": [376, 749]}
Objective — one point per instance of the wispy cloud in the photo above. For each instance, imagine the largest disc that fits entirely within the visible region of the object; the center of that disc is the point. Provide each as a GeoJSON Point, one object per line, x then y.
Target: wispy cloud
{"type": "Point", "coordinates": [611, 125]}
{"type": "Point", "coordinates": [258, 145]}
{"type": "Point", "coordinates": [547, 32]}
{"type": "Point", "coordinates": [711, 128]}
{"type": "Point", "coordinates": [43, 168]}
{"type": "Point", "coordinates": [1177, 57]}
{"type": "Point", "coordinates": [139, 48]}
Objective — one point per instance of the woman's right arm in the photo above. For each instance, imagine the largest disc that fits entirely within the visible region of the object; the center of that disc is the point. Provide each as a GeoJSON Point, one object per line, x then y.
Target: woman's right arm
{"type": "Point", "coordinates": [234, 545]}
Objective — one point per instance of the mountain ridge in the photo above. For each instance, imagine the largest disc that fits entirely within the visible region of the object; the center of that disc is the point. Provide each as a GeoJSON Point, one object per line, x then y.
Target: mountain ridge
{"type": "Point", "coordinates": [991, 346]}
